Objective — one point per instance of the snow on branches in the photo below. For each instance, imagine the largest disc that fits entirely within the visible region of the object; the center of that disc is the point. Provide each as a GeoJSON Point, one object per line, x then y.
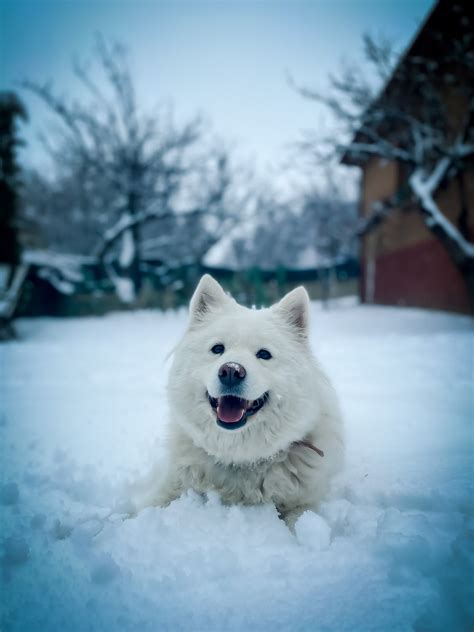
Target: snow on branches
{"type": "Point", "coordinates": [132, 172]}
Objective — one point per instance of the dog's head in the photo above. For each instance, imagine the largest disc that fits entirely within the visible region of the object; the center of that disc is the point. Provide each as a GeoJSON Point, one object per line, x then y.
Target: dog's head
{"type": "Point", "coordinates": [242, 381]}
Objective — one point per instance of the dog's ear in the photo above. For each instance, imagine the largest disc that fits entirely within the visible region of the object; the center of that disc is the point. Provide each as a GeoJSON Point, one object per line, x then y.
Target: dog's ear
{"type": "Point", "coordinates": [208, 296]}
{"type": "Point", "coordinates": [294, 309]}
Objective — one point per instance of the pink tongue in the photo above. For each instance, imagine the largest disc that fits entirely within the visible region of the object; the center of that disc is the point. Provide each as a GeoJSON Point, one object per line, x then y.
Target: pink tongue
{"type": "Point", "coordinates": [230, 409]}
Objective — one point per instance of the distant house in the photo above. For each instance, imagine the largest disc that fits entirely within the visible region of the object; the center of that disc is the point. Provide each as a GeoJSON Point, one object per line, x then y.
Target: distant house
{"type": "Point", "coordinates": [402, 262]}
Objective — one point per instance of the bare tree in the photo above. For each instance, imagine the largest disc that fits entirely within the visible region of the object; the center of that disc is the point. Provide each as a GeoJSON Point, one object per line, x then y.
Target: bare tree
{"type": "Point", "coordinates": [412, 121]}
{"type": "Point", "coordinates": [313, 229]}
{"type": "Point", "coordinates": [129, 169]}
{"type": "Point", "coordinates": [214, 211]}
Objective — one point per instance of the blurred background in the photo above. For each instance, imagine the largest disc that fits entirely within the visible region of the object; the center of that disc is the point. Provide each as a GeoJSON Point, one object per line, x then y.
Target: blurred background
{"type": "Point", "coordinates": [269, 143]}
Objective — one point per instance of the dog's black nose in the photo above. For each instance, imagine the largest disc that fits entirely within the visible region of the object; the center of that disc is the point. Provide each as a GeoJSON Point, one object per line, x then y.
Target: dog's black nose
{"type": "Point", "coordinates": [231, 374]}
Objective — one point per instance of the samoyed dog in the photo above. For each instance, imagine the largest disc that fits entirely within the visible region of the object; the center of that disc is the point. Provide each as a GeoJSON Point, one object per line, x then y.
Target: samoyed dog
{"type": "Point", "coordinates": [253, 416]}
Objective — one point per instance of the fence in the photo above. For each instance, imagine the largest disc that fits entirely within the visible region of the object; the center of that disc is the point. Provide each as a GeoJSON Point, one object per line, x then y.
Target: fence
{"type": "Point", "coordinates": [170, 288]}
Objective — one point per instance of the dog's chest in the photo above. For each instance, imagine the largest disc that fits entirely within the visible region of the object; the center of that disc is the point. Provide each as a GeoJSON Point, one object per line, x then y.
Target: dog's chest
{"type": "Point", "coordinates": [270, 481]}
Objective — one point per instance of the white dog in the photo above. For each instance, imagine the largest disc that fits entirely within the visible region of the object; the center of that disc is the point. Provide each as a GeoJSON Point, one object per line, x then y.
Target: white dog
{"type": "Point", "coordinates": [253, 416]}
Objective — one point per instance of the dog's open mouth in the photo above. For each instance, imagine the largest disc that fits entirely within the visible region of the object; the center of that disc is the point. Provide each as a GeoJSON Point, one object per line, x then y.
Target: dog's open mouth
{"type": "Point", "coordinates": [232, 412]}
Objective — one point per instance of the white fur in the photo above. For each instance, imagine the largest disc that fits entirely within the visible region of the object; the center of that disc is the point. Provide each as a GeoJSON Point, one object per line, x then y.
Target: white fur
{"type": "Point", "coordinates": [257, 463]}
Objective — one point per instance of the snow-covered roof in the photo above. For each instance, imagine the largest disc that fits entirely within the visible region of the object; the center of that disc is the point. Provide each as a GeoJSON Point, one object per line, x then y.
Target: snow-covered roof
{"type": "Point", "coordinates": [55, 259]}
{"type": "Point", "coordinates": [62, 270]}
{"type": "Point", "coordinates": [222, 255]}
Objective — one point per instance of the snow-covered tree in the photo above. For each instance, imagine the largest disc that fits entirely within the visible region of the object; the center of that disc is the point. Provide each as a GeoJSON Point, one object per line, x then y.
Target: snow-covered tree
{"type": "Point", "coordinates": [120, 170]}
{"type": "Point", "coordinates": [422, 117]}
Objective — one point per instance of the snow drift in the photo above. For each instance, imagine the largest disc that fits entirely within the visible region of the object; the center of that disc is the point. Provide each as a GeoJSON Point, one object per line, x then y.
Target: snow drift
{"type": "Point", "coordinates": [82, 413]}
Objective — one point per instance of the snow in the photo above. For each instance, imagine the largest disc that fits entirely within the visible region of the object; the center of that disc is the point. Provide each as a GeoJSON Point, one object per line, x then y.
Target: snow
{"type": "Point", "coordinates": [222, 252]}
{"type": "Point", "coordinates": [67, 263]}
{"type": "Point", "coordinates": [123, 285]}
{"type": "Point", "coordinates": [124, 288]}
{"type": "Point", "coordinates": [9, 494]}
{"type": "Point", "coordinates": [83, 412]}
{"type": "Point", "coordinates": [424, 188]}
{"type": "Point", "coordinates": [127, 251]}
{"type": "Point", "coordinates": [63, 271]}
{"type": "Point", "coordinates": [54, 277]}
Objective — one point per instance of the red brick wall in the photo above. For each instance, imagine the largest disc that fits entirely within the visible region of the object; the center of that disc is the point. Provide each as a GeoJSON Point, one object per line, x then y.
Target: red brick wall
{"type": "Point", "coordinates": [420, 275]}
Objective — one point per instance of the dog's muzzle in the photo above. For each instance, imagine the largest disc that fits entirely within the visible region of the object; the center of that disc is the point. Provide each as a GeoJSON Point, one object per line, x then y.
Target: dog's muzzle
{"type": "Point", "coordinates": [233, 412]}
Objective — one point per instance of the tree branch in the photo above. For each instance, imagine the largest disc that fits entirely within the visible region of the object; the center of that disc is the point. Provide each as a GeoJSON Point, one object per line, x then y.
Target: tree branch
{"type": "Point", "coordinates": [424, 186]}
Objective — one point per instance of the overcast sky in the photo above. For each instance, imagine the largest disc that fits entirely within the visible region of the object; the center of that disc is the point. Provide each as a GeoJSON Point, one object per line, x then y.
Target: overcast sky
{"type": "Point", "coordinates": [225, 59]}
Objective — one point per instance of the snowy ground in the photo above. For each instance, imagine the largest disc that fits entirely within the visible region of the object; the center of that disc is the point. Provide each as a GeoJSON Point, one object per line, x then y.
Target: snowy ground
{"type": "Point", "coordinates": [82, 411]}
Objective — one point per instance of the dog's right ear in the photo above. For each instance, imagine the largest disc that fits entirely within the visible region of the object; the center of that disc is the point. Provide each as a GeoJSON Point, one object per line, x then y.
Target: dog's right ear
{"type": "Point", "coordinates": [208, 296]}
{"type": "Point", "coordinates": [294, 309]}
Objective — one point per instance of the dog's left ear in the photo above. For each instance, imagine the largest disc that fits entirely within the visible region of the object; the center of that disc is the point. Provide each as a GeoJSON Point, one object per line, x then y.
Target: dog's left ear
{"type": "Point", "coordinates": [208, 296]}
{"type": "Point", "coordinates": [294, 309]}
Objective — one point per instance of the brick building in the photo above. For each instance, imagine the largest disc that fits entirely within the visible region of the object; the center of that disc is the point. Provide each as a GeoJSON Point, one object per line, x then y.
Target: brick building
{"type": "Point", "coordinates": [402, 261]}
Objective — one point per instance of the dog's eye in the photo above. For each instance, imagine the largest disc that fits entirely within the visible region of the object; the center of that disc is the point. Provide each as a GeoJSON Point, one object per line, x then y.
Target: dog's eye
{"type": "Point", "coordinates": [263, 354]}
{"type": "Point", "coordinates": [218, 349]}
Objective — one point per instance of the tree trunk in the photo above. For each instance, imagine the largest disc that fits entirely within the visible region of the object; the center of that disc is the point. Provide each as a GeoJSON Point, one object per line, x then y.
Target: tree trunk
{"type": "Point", "coordinates": [370, 269]}
{"type": "Point", "coordinates": [325, 288]}
{"type": "Point", "coordinates": [131, 267]}
{"type": "Point", "coordinates": [135, 272]}
{"type": "Point", "coordinates": [9, 298]}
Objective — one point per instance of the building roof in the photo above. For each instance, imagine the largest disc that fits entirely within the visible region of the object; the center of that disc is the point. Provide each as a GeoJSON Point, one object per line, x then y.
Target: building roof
{"type": "Point", "coordinates": [444, 18]}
